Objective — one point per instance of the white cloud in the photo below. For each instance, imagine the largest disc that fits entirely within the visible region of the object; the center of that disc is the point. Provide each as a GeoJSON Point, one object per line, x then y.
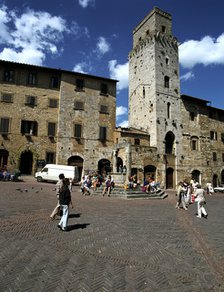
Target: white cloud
{"type": "Point", "coordinates": [4, 30]}
{"type": "Point", "coordinates": [207, 51]}
{"type": "Point", "coordinates": [102, 46]}
{"type": "Point", "coordinates": [28, 56]}
{"type": "Point", "coordinates": [80, 67]}
{"type": "Point", "coordinates": [29, 37]}
{"type": "Point", "coordinates": [120, 73]}
{"type": "Point", "coordinates": [123, 124]}
{"type": "Point", "coordinates": [121, 110]}
{"type": "Point", "coordinates": [85, 3]}
{"type": "Point", "coordinates": [187, 76]}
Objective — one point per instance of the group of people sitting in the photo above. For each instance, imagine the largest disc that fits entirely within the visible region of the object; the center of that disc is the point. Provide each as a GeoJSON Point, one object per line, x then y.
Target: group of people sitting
{"type": "Point", "coordinates": [6, 175]}
{"type": "Point", "coordinates": [95, 181]}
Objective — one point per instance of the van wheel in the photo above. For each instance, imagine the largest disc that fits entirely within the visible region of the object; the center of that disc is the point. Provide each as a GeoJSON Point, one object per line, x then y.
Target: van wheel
{"type": "Point", "coordinates": [39, 179]}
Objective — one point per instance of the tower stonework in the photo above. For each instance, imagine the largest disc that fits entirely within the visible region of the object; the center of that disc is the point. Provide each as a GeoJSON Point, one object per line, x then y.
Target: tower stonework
{"type": "Point", "coordinates": [154, 87]}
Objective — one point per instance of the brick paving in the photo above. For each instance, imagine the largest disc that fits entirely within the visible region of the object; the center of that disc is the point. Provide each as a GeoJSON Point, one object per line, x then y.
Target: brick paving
{"type": "Point", "coordinates": [112, 244]}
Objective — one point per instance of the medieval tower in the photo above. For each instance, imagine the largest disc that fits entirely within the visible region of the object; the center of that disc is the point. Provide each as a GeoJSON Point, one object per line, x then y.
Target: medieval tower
{"type": "Point", "coordinates": [154, 87]}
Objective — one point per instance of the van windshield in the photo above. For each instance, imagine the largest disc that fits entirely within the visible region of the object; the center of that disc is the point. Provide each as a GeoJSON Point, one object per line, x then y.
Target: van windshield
{"type": "Point", "coordinates": [44, 170]}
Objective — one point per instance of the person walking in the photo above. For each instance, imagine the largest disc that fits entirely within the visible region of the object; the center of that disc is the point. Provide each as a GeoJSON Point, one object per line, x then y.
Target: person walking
{"type": "Point", "coordinates": [181, 194]}
{"type": "Point", "coordinates": [59, 183]}
{"type": "Point", "coordinates": [65, 201]}
{"type": "Point", "coordinates": [200, 199]}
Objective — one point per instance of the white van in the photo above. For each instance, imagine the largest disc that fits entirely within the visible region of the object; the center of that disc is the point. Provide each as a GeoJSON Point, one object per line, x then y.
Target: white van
{"type": "Point", "coordinates": [50, 172]}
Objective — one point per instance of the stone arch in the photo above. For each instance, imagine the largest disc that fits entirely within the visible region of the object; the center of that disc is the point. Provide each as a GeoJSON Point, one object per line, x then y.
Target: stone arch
{"type": "Point", "coordinates": [222, 177]}
{"type": "Point", "coordinates": [215, 180]}
{"type": "Point", "coordinates": [119, 163]}
{"type": "Point", "coordinates": [104, 166]}
{"type": "Point", "coordinates": [196, 175]}
{"type": "Point", "coordinates": [169, 142]}
{"type": "Point", "coordinates": [4, 154]}
{"type": "Point", "coordinates": [150, 170]}
{"type": "Point", "coordinates": [26, 162]}
{"type": "Point", "coordinates": [76, 160]}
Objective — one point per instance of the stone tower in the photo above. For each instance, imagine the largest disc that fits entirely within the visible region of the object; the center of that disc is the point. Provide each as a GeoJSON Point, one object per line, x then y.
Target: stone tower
{"type": "Point", "coordinates": [154, 87]}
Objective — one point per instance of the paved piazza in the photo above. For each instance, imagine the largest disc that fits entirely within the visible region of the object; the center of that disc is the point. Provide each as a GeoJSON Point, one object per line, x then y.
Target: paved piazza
{"type": "Point", "coordinates": [113, 244]}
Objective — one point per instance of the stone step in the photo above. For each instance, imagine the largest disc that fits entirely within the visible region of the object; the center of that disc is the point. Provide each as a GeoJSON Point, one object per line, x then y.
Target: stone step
{"type": "Point", "coordinates": [131, 194]}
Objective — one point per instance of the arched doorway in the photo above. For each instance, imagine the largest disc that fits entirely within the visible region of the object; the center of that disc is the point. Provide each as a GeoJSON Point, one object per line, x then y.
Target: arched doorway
{"type": "Point", "coordinates": [150, 171]}
{"type": "Point", "coordinates": [196, 175]}
{"type": "Point", "coordinates": [26, 162]}
{"type": "Point", "coordinates": [76, 161]}
{"type": "Point", "coordinates": [222, 177]}
{"type": "Point", "coordinates": [4, 154]}
{"type": "Point", "coordinates": [104, 167]}
{"type": "Point", "coordinates": [169, 178]}
{"type": "Point", "coordinates": [169, 139]}
{"type": "Point", "coordinates": [215, 180]}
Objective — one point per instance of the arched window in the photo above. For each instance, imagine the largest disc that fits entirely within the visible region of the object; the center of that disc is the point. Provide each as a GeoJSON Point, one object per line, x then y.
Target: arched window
{"type": "Point", "coordinates": [168, 110]}
{"type": "Point", "coordinates": [169, 140]}
{"type": "Point", "coordinates": [167, 81]}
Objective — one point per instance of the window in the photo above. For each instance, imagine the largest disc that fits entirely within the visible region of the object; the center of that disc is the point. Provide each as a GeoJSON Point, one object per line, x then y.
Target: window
{"type": "Point", "coordinates": [222, 157]}
{"type": "Point", "coordinates": [78, 105]}
{"type": "Point", "coordinates": [31, 100]}
{"type": "Point", "coordinates": [51, 129]}
{"type": "Point", "coordinates": [103, 134]}
{"type": "Point", "coordinates": [54, 82]}
{"type": "Point", "coordinates": [137, 141]}
{"type": "Point", "coordinates": [163, 29]}
{"type": "Point", "coordinates": [194, 143]}
{"type": "Point", "coordinates": [214, 156]}
{"type": "Point", "coordinates": [143, 92]}
{"type": "Point", "coordinates": [29, 128]}
{"type": "Point", "coordinates": [53, 102]}
{"type": "Point", "coordinates": [166, 81]}
{"type": "Point", "coordinates": [104, 89]}
{"type": "Point", "coordinates": [222, 137]}
{"type": "Point", "coordinates": [4, 125]}
{"type": "Point", "coordinates": [78, 131]}
{"type": "Point", "coordinates": [79, 84]}
{"type": "Point", "coordinates": [167, 61]}
{"type": "Point", "coordinates": [32, 78]}
{"type": "Point", "coordinates": [6, 97]}
{"type": "Point", "coordinates": [168, 110]}
{"type": "Point", "coordinates": [9, 75]}
{"type": "Point", "coordinates": [50, 157]}
{"type": "Point", "coordinates": [104, 109]}
{"type": "Point", "coordinates": [192, 116]}
{"type": "Point", "coordinates": [213, 135]}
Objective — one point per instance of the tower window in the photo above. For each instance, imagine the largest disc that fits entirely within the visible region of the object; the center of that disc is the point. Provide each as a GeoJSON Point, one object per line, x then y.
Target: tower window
{"type": "Point", "coordinates": [194, 143]}
{"type": "Point", "coordinates": [168, 110]}
{"type": "Point", "coordinates": [167, 82]}
{"type": "Point", "coordinates": [163, 29]}
{"type": "Point", "coordinates": [143, 92]}
{"type": "Point", "coordinates": [192, 116]}
{"type": "Point", "coordinates": [214, 154]}
{"type": "Point", "coordinates": [167, 61]}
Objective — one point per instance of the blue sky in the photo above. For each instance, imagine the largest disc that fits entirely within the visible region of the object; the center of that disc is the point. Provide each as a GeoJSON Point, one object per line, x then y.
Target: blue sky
{"type": "Point", "coordinates": [95, 37]}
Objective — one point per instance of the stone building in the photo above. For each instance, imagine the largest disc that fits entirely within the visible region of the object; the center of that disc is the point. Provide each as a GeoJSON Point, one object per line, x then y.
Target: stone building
{"type": "Point", "coordinates": [185, 134]}
{"type": "Point", "coordinates": [57, 116]}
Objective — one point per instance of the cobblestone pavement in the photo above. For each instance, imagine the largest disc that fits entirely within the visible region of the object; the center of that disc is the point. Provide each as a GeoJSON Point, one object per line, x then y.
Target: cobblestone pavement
{"type": "Point", "coordinates": [112, 244]}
